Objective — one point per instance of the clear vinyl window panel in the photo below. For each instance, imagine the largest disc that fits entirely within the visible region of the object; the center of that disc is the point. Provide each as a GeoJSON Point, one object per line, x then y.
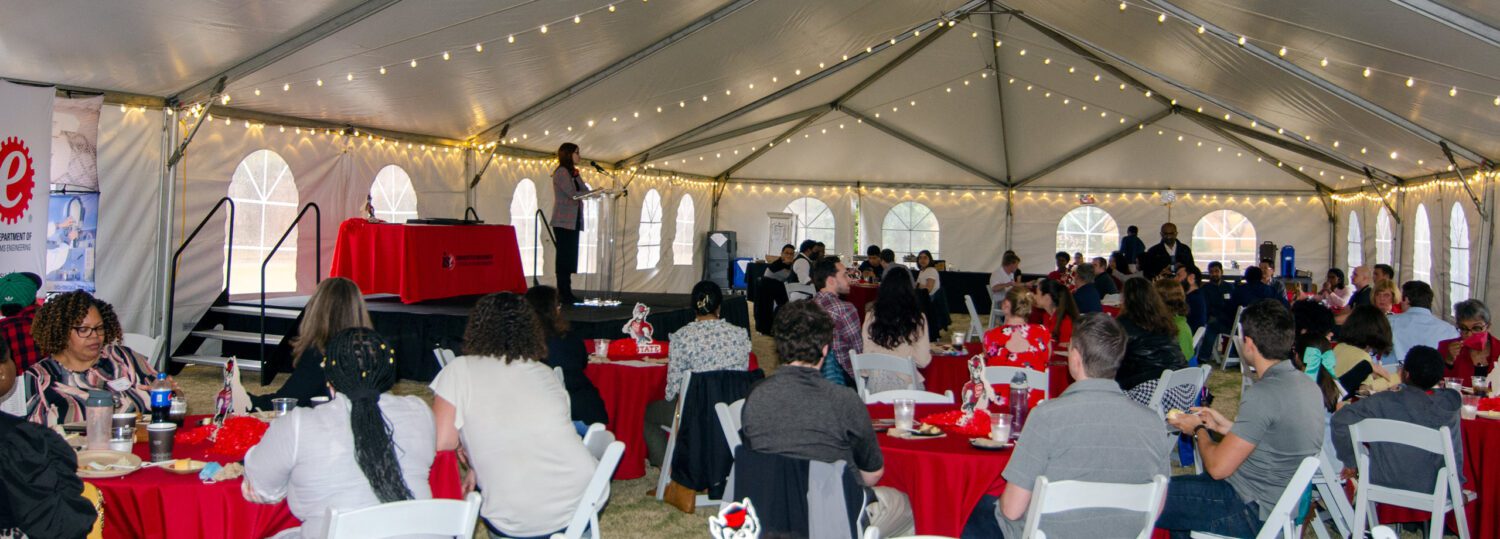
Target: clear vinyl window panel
{"type": "Point", "coordinates": [1421, 252]}
{"type": "Point", "coordinates": [266, 201]}
{"type": "Point", "coordinates": [392, 195]}
{"type": "Point", "coordinates": [909, 228]}
{"type": "Point", "coordinates": [1356, 242]}
{"type": "Point", "coordinates": [814, 221]}
{"type": "Point", "coordinates": [1088, 230]}
{"type": "Point", "coordinates": [1226, 236]}
{"type": "Point", "coordinates": [648, 241]}
{"type": "Point", "coordinates": [1458, 255]}
{"type": "Point", "coordinates": [523, 217]}
{"type": "Point", "coordinates": [1384, 236]}
{"type": "Point", "coordinates": [682, 237]}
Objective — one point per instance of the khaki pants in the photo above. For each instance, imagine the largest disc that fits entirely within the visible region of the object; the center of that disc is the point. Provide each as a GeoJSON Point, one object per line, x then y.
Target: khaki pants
{"type": "Point", "coordinates": [891, 512]}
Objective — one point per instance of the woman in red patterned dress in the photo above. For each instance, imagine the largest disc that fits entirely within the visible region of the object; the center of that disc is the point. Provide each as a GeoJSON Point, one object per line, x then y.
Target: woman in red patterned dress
{"type": "Point", "coordinates": [1017, 343]}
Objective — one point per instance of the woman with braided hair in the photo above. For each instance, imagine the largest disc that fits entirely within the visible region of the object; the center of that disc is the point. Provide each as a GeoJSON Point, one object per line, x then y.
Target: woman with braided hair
{"type": "Point", "coordinates": [511, 414]}
{"type": "Point", "coordinates": [364, 447]}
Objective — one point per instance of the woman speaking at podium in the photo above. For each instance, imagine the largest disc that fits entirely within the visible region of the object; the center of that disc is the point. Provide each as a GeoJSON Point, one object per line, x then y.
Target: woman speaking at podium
{"type": "Point", "coordinates": [567, 219]}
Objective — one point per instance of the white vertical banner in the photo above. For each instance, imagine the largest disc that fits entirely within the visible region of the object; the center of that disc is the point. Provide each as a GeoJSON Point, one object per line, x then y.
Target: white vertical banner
{"type": "Point", "coordinates": [25, 163]}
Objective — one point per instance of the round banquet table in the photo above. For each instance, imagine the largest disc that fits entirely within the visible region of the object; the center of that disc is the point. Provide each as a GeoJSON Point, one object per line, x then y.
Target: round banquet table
{"type": "Point", "coordinates": [943, 477]}
{"type": "Point", "coordinates": [1481, 440]}
{"type": "Point", "coordinates": [860, 295]}
{"type": "Point", "coordinates": [159, 504]}
{"type": "Point", "coordinates": [950, 373]}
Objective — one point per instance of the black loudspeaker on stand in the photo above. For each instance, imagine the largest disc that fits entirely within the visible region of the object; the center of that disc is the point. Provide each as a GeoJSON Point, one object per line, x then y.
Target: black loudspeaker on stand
{"type": "Point", "coordinates": [718, 259]}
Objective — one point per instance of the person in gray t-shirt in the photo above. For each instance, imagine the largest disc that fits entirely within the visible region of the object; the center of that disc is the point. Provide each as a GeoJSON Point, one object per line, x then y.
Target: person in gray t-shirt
{"type": "Point", "coordinates": [1093, 432]}
{"type": "Point", "coordinates": [1279, 424]}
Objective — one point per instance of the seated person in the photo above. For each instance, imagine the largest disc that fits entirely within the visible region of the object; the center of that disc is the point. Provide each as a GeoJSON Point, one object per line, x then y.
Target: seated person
{"type": "Point", "coordinates": [1386, 297]}
{"type": "Point", "coordinates": [565, 349]}
{"type": "Point", "coordinates": [523, 452]}
{"type": "Point", "coordinates": [1474, 352]}
{"type": "Point", "coordinates": [363, 448]}
{"type": "Point", "coordinates": [706, 344]}
{"type": "Point", "coordinates": [874, 266]}
{"type": "Point", "coordinates": [1005, 277]}
{"type": "Point", "coordinates": [896, 326]}
{"type": "Point", "coordinates": [1018, 342]}
{"type": "Point", "coordinates": [1092, 413]}
{"type": "Point", "coordinates": [1415, 402]}
{"type": "Point", "coordinates": [1253, 459]}
{"type": "Point", "coordinates": [38, 472]}
{"type": "Point", "coordinates": [1102, 279]}
{"type": "Point", "coordinates": [336, 305]}
{"type": "Point", "coordinates": [796, 413]}
{"type": "Point", "coordinates": [1417, 325]}
{"type": "Point", "coordinates": [18, 305]}
{"type": "Point", "coordinates": [1253, 289]}
{"type": "Point", "coordinates": [1151, 347]}
{"type": "Point", "coordinates": [1061, 274]}
{"type": "Point", "coordinates": [887, 262]}
{"type": "Point", "coordinates": [79, 339]}
{"type": "Point", "coordinates": [1365, 335]}
{"type": "Point", "coordinates": [1087, 296]}
{"type": "Point", "coordinates": [770, 290]}
{"type": "Point", "coordinates": [1175, 300]}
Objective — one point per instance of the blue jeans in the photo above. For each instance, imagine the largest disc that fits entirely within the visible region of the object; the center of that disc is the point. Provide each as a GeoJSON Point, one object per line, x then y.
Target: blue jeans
{"type": "Point", "coordinates": [983, 522]}
{"type": "Point", "coordinates": [581, 427]}
{"type": "Point", "coordinates": [1202, 503]}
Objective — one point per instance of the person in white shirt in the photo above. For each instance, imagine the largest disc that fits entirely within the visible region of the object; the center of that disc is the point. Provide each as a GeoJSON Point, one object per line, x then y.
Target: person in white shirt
{"type": "Point", "coordinates": [363, 448]}
{"type": "Point", "coordinates": [802, 266]}
{"type": "Point", "coordinates": [1416, 325]}
{"type": "Point", "coordinates": [1002, 280]}
{"type": "Point", "coordinates": [510, 415]}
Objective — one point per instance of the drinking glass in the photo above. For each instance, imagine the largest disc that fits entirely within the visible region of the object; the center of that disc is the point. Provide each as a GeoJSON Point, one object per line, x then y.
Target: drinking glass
{"type": "Point", "coordinates": [1000, 427]}
{"type": "Point", "coordinates": [601, 347]}
{"type": "Point", "coordinates": [958, 338]}
{"type": "Point", "coordinates": [282, 406]}
{"type": "Point", "coordinates": [906, 410]}
{"type": "Point", "coordinates": [1471, 407]}
{"type": "Point", "coordinates": [1455, 384]}
{"type": "Point", "coordinates": [1480, 384]}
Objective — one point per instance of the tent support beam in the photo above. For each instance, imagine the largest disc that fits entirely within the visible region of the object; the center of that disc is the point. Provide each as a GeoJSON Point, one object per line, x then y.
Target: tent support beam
{"type": "Point", "coordinates": [773, 122]}
{"type": "Point", "coordinates": [1073, 44]}
{"type": "Point", "coordinates": [1313, 79]}
{"type": "Point", "coordinates": [615, 68]}
{"type": "Point", "coordinates": [1087, 48]}
{"type": "Point", "coordinates": [1478, 205]}
{"type": "Point", "coordinates": [1383, 201]}
{"type": "Point", "coordinates": [903, 137]}
{"type": "Point", "coordinates": [742, 163]}
{"type": "Point", "coordinates": [1096, 146]}
{"type": "Point", "coordinates": [1000, 103]}
{"type": "Point", "coordinates": [936, 26]}
{"type": "Point", "coordinates": [1453, 19]}
{"type": "Point", "coordinates": [1289, 146]}
{"type": "Point", "coordinates": [203, 89]}
{"type": "Point", "coordinates": [1323, 190]}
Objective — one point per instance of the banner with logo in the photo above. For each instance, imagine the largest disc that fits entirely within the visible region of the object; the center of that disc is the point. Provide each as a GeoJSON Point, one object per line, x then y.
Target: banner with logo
{"type": "Point", "coordinates": [25, 168]}
{"type": "Point", "coordinates": [75, 142]}
{"type": "Point", "coordinates": [72, 226]}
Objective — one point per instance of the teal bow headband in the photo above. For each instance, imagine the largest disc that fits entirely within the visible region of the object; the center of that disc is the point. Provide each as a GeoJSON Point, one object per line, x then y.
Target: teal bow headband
{"type": "Point", "coordinates": [1315, 359]}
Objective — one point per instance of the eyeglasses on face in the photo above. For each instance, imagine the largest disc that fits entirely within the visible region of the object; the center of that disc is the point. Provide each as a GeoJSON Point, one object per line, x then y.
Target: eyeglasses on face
{"type": "Point", "coordinates": [1476, 327]}
{"type": "Point", "coordinates": [88, 331]}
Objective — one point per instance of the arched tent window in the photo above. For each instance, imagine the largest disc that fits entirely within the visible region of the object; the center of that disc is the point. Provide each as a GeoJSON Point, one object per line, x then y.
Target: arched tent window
{"type": "Point", "coordinates": [682, 237]}
{"type": "Point", "coordinates": [1458, 255]}
{"type": "Point", "coordinates": [1226, 236]}
{"type": "Point", "coordinates": [909, 228]}
{"type": "Point", "coordinates": [523, 217]}
{"type": "Point", "coordinates": [1088, 230]}
{"type": "Point", "coordinates": [588, 239]}
{"type": "Point", "coordinates": [392, 195]}
{"type": "Point", "coordinates": [648, 244]}
{"type": "Point", "coordinates": [1384, 237]}
{"type": "Point", "coordinates": [1356, 242]}
{"type": "Point", "coordinates": [814, 221]}
{"type": "Point", "coordinates": [266, 200]}
{"type": "Point", "coordinates": [1421, 252]}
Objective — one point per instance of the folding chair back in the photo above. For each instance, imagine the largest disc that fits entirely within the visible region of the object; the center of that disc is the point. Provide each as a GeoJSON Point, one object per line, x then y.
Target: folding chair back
{"type": "Point", "coordinates": [865, 365]}
{"type": "Point", "coordinates": [1447, 495]}
{"type": "Point", "coordinates": [1056, 497]}
{"type": "Point", "coordinates": [1193, 377]}
{"type": "Point", "coordinates": [916, 395]}
{"type": "Point", "coordinates": [975, 329]}
{"type": "Point", "coordinates": [443, 355]}
{"type": "Point", "coordinates": [1002, 375]}
{"type": "Point", "coordinates": [585, 521]}
{"type": "Point", "coordinates": [452, 518]}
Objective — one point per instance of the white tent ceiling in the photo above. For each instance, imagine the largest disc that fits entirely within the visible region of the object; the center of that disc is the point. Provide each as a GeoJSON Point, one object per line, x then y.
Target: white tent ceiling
{"type": "Point", "coordinates": [973, 135]}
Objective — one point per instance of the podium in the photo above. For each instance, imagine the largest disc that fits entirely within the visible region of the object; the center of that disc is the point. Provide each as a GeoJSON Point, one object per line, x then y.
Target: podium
{"type": "Point", "coordinates": [603, 282]}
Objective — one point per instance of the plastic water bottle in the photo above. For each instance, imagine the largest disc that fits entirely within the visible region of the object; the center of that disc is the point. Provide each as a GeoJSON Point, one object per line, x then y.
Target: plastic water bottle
{"type": "Point", "coordinates": [161, 399]}
{"type": "Point", "coordinates": [1020, 393]}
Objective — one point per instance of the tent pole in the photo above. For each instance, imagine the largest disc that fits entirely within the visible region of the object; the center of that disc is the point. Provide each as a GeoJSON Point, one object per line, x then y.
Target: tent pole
{"type": "Point", "coordinates": [1096, 146]}
{"type": "Point", "coordinates": [166, 193]}
{"type": "Point", "coordinates": [1481, 289]}
{"type": "Point", "coordinates": [1010, 217]}
{"type": "Point", "coordinates": [1322, 190]}
{"type": "Point", "coordinates": [1298, 149]}
{"type": "Point", "coordinates": [1087, 49]}
{"type": "Point", "coordinates": [1000, 99]}
{"type": "Point", "coordinates": [1453, 19]}
{"type": "Point", "coordinates": [773, 122]}
{"type": "Point", "coordinates": [1315, 80]}
{"type": "Point", "coordinates": [920, 145]}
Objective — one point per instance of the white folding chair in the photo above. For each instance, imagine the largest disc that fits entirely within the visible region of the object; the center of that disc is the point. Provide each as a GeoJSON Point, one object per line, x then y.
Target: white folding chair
{"type": "Point", "coordinates": [1336, 506]}
{"type": "Point", "coordinates": [1280, 523]}
{"type": "Point", "coordinates": [1056, 497]}
{"type": "Point", "coordinates": [1193, 377]}
{"type": "Point", "coordinates": [1197, 340]}
{"type": "Point", "coordinates": [142, 345]}
{"type": "Point", "coordinates": [558, 372]}
{"type": "Point", "coordinates": [585, 521]}
{"type": "Point", "coordinates": [867, 364]}
{"type": "Point", "coordinates": [597, 439]}
{"type": "Point", "coordinates": [729, 422]}
{"type": "Point", "coordinates": [666, 461]}
{"type": "Point", "coordinates": [16, 404]}
{"type": "Point", "coordinates": [975, 329]}
{"type": "Point", "coordinates": [1447, 495]}
{"type": "Point", "coordinates": [996, 317]}
{"type": "Point", "coordinates": [1231, 352]}
{"type": "Point", "coordinates": [797, 291]}
{"type": "Point", "coordinates": [443, 355]}
{"type": "Point", "coordinates": [1002, 375]}
{"type": "Point", "coordinates": [916, 395]}
{"type": "Point", "coordinates": [1383, 532]}
{"type": "Point", "coordinates": [451, 518]}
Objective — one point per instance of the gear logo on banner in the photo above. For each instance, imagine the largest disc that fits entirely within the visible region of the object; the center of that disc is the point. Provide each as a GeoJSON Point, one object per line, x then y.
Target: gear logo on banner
{"type": "Point", "coordinates": [17, 176]}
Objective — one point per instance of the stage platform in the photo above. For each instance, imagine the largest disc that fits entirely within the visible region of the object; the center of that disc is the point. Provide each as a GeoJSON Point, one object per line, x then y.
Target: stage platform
{"type": "Point", "coordinates": [416, 329]}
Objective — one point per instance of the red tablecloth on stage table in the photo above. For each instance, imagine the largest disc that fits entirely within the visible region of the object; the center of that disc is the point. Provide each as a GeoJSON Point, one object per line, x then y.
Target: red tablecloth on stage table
{"type": "Point", "coordinates": [155, 503]}
{"type": "Point", "coordinates": [943, 478]}
{"type": "Point", "coordinates": [626, 390]}
{"type": "Point", "coordinates": [861, 295]}
{"type": "Point", "coordinates": [422, 262]}
{"type": "Point", "coordinates": [950, 373]}
{"type": "Point", "coordinates": [1481, 439]}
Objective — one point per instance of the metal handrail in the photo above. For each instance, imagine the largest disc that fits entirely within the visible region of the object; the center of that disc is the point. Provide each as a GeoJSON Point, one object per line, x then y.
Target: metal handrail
{"type": "Point", "coordinates": [470, 211]}
{"type": "Point", "coordinates": [536, 242]}
{"type": "Point", "coordinates": [317, 273]}
{"type": "Point", "coordinates": [177, 257]}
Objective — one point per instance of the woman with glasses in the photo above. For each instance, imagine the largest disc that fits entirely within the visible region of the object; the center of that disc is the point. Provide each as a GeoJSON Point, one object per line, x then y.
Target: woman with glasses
{"type": "Point", "coordinates": [79, 339]}
{"type": "Point", "coordinates": [1474, 352]}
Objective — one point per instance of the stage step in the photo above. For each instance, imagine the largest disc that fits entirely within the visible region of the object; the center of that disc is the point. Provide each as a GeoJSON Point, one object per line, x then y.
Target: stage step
{"type": "Point", "coordinates": [252, 310]}
{"type": "Point", "coordinates": [237, 336]}
{"type": "Point", "coordinates": [215, 361]}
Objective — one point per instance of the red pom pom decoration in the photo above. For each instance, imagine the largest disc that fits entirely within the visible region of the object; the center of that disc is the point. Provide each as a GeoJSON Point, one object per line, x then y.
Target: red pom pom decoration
{"type": "Point", "coordinates": [233, 440]}
{"type": "Point", "coordinates": [978, 427]}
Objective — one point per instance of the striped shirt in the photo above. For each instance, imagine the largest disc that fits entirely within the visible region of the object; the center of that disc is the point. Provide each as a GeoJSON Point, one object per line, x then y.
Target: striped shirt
{"type": "Point", "coordinates": [58, 394]}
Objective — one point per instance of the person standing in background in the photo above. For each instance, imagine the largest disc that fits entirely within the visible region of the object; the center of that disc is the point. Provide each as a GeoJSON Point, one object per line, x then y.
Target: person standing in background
{"type": "Point", "coordinates": [567, 219]}
{"type": "Point", "coordinates": [1131, 246]}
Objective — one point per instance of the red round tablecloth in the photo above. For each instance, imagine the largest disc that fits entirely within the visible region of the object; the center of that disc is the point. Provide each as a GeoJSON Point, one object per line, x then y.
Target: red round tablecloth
{"type": "Point", "coordinates": [626, 390]}
{"type": "Point", "coordinates": [943, 477]}
{"type": "Point", "coordinates": [861, 295]}
{"type": "Point", "coordinates": [155, 503]}
{"type": "Point", "coordinates": [950, 373]}
{"type": "Point", "coordinates": [1481, 439]}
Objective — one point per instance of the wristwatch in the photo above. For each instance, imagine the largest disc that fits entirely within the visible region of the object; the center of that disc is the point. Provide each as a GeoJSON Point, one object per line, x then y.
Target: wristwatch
{"type": "Point", "coordinates": [1198, 428]}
